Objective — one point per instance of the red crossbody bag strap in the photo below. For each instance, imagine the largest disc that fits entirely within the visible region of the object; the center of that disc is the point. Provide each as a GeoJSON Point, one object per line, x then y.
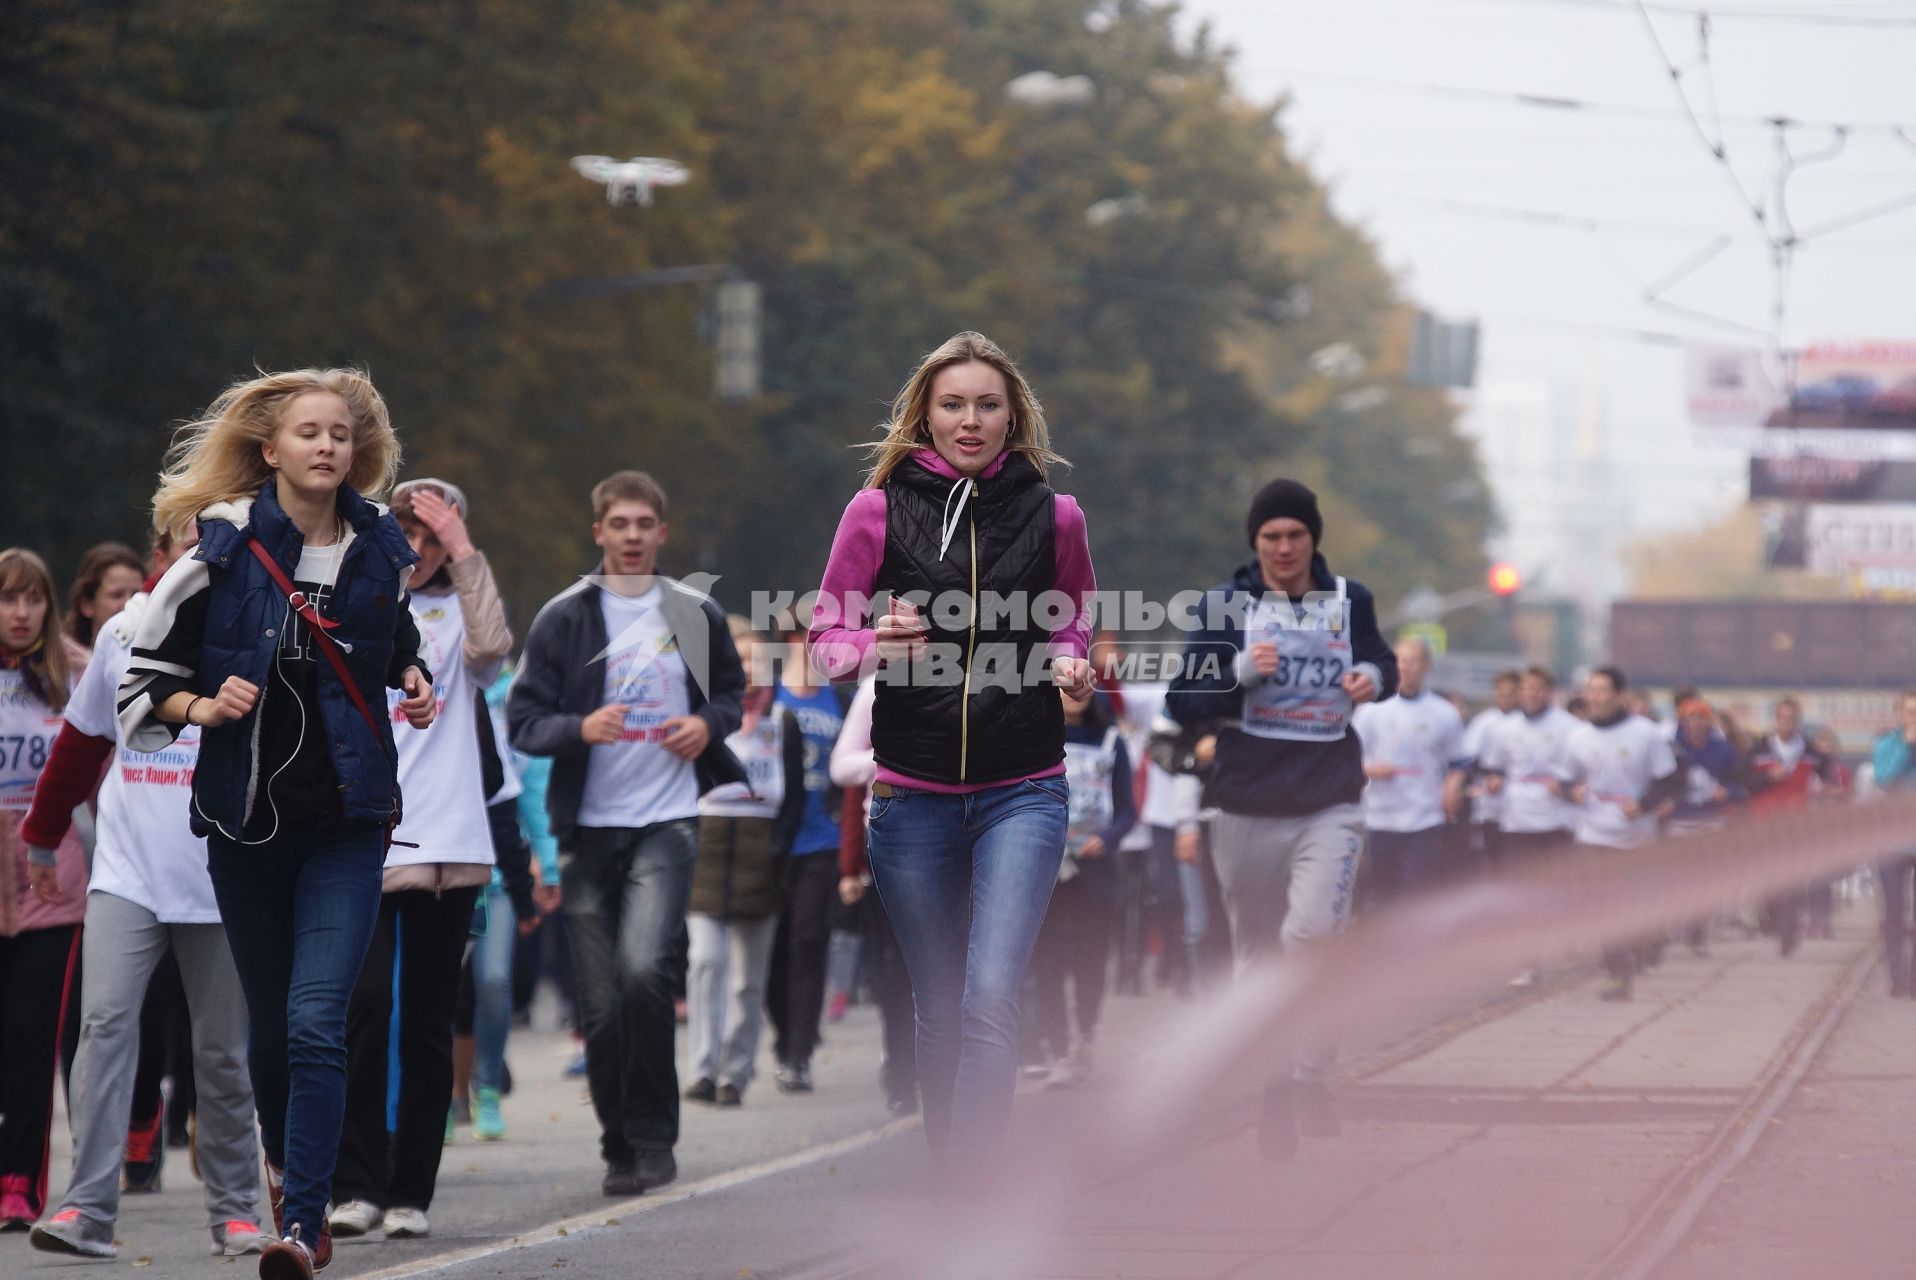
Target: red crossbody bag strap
{"type": "Point", "coordinates": [305, 608]}
{"type": "Point", "coordinates": [320, 626]}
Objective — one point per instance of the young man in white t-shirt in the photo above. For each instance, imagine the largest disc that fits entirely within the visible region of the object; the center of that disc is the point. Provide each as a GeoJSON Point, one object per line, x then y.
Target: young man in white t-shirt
{"type": "Point", "coordinates": [1486, 806]}
{"type": "Point", "coordinates": [1621, 779]}
{"type": "Point", "coordinates": [1414, 761]}
{"type": "Point", "coordinates": [631, 683]}
{"type": "Point", "coordinates": [1522, 765]}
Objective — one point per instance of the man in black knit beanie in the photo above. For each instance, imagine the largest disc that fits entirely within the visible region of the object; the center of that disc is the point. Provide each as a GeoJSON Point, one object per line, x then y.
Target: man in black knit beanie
{"type": "Point", "coordinates": [1286, 651]}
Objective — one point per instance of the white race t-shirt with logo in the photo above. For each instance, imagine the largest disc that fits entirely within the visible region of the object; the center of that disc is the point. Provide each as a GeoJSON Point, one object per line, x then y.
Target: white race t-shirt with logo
{"type": "Point", "coordinates": [1304, 701]}
{"type": "Point", "coordinates": [1529, 752]}
{"type": "Point", "coordinates": [27, 731]}
{"type": "Point", "coordinates": [440, 782]}
{"type": "Point", "coordinates": [1422, 738]}
{"type": "Point", "coordinates": [1088, 770]}
{"type": "Point", "coordinates": [760, 747]}
{"type": "Point", "coordinates": [1616, 763]}
{"type": "Point", "coordinates": [635, 781]}
{"type": "Point", "coordinates": [144, 850]}
{"type": "Point", "coordinates": [1484, 807]}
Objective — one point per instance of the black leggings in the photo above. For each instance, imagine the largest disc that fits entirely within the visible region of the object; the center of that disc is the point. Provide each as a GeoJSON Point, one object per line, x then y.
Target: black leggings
{"type": "Point", "coordinates": [425, 933]}
{"type": "Point", "coordinates": [1075, 943]}
{"type": "Point", "coordinates": [795, 990]}
{"type": "Point", "coordinates": [38, 981]}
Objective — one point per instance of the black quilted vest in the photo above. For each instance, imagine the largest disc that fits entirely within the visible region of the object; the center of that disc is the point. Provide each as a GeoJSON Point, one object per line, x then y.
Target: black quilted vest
{"type": "Point", "coordinates": [992, 713]}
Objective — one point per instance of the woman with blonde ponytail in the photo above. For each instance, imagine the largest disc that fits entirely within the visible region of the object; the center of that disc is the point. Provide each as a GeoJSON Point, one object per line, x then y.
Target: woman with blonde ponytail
{"type": "Point", "coordinates": [278, 637]}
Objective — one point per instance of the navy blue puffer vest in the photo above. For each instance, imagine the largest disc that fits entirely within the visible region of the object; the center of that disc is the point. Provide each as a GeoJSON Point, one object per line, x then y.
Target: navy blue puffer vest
{"type": "Point", "coordinates": [245, 610]}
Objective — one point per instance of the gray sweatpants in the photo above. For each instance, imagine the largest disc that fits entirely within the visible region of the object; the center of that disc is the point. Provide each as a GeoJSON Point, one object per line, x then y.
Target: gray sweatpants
{"type": "Point", "coordinates": [725, 994]}
{"type": "Point", "coordinates": [1286, 883]}
{"type": "Point", "coordinates": [122, 944]}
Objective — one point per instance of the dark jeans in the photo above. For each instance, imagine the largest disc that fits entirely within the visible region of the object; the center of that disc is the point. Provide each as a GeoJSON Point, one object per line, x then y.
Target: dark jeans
{"type": "Point", "coordinates": [1074, 945]}
{"type": "Point", "coordinates": [965, 879]}
{"type": "Point", "coordinates": [626, 894]}
{"type": "Point", "coordinates": [425, 934]}
{"type": "Point", "coordinates": [1898, 934]}
{"type": "Point", "coordinates": [1488, 839]}
{"type": "Point", "coordinates": [1149, 902]}
{"type": "Point", "coordinates": [299, 911]}
{"type": "Point", "coordinates": [39, 972]}
{"type": "Point", "coordinates": [795, 990]}
{"type": "Point", "coordinates": [1515, 848]}
{"type": "Point", "coordinates": [1398, 864]}
{"type": "Point", "coordinates": [891, 989]}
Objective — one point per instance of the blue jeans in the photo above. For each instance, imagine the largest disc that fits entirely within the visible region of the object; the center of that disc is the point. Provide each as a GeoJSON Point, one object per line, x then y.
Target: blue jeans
{"type": "Point", "coordinates": [492, 990]}
{"type": "Point", "coordinates": [626, 894]}
{"type": "Point", "coordinates": [299, 912]}
{"type": "Point", "coordinates": [965, 880]}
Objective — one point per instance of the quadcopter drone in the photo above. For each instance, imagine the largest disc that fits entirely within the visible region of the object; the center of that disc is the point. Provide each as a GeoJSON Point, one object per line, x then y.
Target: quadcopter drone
{"type": "Point", "coordinates": [631, 181]}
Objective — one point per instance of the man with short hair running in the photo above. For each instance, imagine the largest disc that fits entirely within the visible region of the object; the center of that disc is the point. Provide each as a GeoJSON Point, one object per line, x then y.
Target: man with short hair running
{"type": "Point", "coordinates": [1285, 652]}
{"type": "Point", "coordinates": [1621, 777]}
{"type": "Point", "coordinates": [1414, 760]}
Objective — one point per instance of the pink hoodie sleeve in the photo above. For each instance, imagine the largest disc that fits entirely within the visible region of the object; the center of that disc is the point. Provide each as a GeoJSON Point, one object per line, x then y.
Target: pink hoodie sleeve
{"type": "Point", "coordinates": [841, 634]}
{"type": "Point", "coordinates": [1074, 577]}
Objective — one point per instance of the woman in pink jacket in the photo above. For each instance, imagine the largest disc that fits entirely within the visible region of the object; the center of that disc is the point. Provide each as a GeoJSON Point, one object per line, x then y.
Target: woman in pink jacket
{"type": "Point", "coordinates": [40, 906]}
{"type": "Point", "coordinates": [989, 576]}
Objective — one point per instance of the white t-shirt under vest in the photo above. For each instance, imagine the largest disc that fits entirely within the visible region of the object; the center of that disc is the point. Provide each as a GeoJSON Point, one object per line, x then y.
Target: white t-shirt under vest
{"type": "Point", "coordinates": [439, 774]}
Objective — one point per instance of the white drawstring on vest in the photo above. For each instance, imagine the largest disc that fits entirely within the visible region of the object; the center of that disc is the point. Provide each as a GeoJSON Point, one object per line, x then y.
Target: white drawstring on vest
{"type": "Point", "coordinates": [961, 491]}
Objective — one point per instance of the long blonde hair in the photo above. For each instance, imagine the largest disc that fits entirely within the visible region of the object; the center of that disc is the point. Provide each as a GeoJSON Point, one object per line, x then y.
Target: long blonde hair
{"type": "Point", "coordinates": [910, 426]}
{"type": "Point", "coordinates": [46, 665]}
{"type": "Point", "coordinates": [217, 457]}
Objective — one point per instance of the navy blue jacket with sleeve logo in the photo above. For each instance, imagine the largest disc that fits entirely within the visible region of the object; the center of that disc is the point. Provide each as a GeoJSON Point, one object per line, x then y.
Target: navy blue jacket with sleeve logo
{"type": "Point", "coordinates": [1262, 776]}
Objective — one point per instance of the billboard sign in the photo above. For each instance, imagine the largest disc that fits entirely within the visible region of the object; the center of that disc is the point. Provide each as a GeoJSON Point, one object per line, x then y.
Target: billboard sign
{"type": "Point", "coordinates": [1850, 400]}
{"type": "Point", "coordinates": [1797, 644]}
{"type": "Point", "coordinates": [1823, 479]}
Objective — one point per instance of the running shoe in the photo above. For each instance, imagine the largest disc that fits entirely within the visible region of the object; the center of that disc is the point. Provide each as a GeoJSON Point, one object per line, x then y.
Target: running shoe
{"type": "Point", "coordinates": [237, 1238]}
{"type": "Point", "coordinates": [276, 1196]}
{"type": "Point", "coordinates": [291, 1258]}
{"type": "Point", "coordinates": [70, 1231]}
{"type": "Point", "coordinates": [406, 1224]}
{"type": "Point", "coordinates": [354, 1218]}
{"type": "Point", "coordinates": [488, 1122]}
{"type": "Point", "coordinates": [17, 1210]}
{"type": "Point", "coordinates": [145, 1154]}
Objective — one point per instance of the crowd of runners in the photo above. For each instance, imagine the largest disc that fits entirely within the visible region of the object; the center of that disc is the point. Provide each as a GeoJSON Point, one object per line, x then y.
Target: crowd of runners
{"type": "Point", "coordinates": [290, 807]}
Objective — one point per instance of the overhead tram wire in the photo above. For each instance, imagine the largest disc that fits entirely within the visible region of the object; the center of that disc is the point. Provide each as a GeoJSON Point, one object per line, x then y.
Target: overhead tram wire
{"type": "Point", "coordinates": [1902, 19]}
{"type": "Point", "coordinates": [1552, 219]}
{"type": "Point", "coordinates": [1561, 102]}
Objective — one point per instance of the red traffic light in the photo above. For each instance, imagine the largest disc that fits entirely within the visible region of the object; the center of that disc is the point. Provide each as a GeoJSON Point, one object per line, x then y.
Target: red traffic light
{"type": "Point", "coordinates": [1504, 579]}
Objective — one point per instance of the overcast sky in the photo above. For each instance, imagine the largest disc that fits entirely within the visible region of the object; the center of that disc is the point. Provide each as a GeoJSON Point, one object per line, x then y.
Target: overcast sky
{"type": "Point", "coordinates": [1394, 157]}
